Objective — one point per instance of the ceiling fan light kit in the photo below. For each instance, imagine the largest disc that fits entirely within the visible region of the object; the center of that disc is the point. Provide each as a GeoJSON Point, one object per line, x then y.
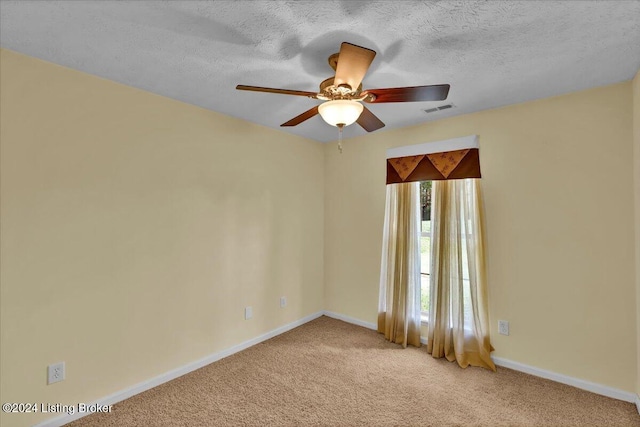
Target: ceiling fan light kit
{"type": "Point", "coordinates": [343, 93]}
{"type": "Point", "coordinates": [340, 112]}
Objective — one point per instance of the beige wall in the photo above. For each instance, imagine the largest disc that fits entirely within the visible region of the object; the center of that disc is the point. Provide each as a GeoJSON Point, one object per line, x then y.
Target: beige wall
{"type": "Point", "coordinates": [135, 229]}
{"type": "Point", "coordinates": [558, 186]}
{"type": "Point", "coordinates": [636, 163]}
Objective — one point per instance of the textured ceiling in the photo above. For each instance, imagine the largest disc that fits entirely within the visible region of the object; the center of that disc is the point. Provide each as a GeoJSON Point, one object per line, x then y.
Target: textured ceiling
{"type": "Point", "coordinates": [493, 53]}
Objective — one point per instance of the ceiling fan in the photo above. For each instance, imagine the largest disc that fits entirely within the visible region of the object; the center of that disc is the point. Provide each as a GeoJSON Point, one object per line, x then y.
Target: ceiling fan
{"type": "Point", "coordinates": [343, 93]}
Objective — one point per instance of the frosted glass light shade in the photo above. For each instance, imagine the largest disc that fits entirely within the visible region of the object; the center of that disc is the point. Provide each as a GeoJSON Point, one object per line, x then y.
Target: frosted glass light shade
{"type": "Point", "coordinates": [341, 111]}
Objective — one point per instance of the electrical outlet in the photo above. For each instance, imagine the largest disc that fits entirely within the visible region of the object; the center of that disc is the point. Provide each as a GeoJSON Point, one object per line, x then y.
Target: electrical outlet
{"type": "Point", "coordinates": [248, 313]}
{"type": "Point", "coordinates": [283, 302]}
{"type": "Point", "coordinates": [55, 373]}
{"type": "Point", "coordinates": [503, 327]}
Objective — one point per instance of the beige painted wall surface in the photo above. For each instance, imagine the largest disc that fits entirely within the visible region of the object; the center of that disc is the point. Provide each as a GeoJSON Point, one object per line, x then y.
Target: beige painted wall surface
{"type": "Point", "coordinates": [636, 180]}
{"type": "Point", "coordinates": [558, 185]}
{"type": "Point", "coordinates": [135, 229]}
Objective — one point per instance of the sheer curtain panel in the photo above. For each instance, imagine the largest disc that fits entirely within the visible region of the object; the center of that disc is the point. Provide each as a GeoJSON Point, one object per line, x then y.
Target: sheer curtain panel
{"type": "Point", "coordinates": [458, 312]}
{"type": "Point", "coordinates": [399, 304]}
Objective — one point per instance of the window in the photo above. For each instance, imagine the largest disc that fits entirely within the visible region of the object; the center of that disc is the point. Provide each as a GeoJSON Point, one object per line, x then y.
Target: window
{"type": "Point", "coordinates": [425, 247]}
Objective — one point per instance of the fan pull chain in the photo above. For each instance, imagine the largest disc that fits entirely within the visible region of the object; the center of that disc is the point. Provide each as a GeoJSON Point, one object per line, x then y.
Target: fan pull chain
{"type": "Point", "coordinates": [340, 127]}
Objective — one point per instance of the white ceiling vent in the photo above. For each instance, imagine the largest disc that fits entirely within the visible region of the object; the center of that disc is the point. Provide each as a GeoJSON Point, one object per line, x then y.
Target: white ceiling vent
{"type": "Point", "coordinates": [442, 107]}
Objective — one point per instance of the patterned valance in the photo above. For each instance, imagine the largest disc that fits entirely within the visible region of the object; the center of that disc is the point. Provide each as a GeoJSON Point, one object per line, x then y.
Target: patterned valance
{"type": "Point", "coordinates": [452, 159]}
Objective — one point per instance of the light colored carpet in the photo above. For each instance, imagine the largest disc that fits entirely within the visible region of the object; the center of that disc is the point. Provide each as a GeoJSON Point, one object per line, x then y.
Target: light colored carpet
{"type": "Point", "coordinates": [331, 373]}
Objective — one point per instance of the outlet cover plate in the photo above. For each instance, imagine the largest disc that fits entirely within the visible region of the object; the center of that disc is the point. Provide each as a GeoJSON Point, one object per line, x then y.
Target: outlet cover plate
{"type": "Point", "coordinates": [283, 302]}
{"type": "Point", "coordinates": [503, 327]}
{"type": "Point", "coordinates": [248, 313]}
{"type": "Point", "coordinates": [55, 373]}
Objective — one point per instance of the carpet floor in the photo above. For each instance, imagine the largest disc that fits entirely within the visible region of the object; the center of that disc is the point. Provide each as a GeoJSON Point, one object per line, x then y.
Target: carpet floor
{"type": "Point", "coordinates": [331, 373]}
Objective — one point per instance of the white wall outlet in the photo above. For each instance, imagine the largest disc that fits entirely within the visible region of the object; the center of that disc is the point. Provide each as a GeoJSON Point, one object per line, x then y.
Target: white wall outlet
{"type": "Point", "coordinates": [55, 373]}
{"type": "Point", "coordinates": [248, 313]}
{"type": "Point", "coordinates": [283, 302]}
{"type": "Point", "coordinates": [503, 327]}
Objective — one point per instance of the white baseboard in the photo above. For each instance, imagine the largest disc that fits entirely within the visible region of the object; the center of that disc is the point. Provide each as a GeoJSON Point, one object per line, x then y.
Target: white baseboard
{"type": "Point", "coordinates": [564, 379]}
{"type": "Point", "coordinates": [175, 373]}
{"type": "Point", "coordinates": [542, 373]}
{"type": "Point", "coordinates": [351, 320]}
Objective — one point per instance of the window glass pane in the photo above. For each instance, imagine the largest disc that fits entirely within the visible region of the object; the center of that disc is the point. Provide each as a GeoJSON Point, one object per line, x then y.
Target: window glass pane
{"type": "Point", "coordinates": [424, 294]}
{"type": "Point", "coordinates": [425, 244]}
{"type": "Point", "coordinates": [425, 254]}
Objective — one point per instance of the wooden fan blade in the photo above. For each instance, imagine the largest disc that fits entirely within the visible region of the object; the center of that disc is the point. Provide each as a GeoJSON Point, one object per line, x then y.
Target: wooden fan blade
{"type": "Point", "coordinates": [302, 117]}
{"type": "Point", "coordinates": [353, 63]}
{"type": "Point", "coordinates": [408, 94]}
{"type": "Point", "coordinates": [369, 121]}
{"type": "Point", "coordinates": [280, 91]}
